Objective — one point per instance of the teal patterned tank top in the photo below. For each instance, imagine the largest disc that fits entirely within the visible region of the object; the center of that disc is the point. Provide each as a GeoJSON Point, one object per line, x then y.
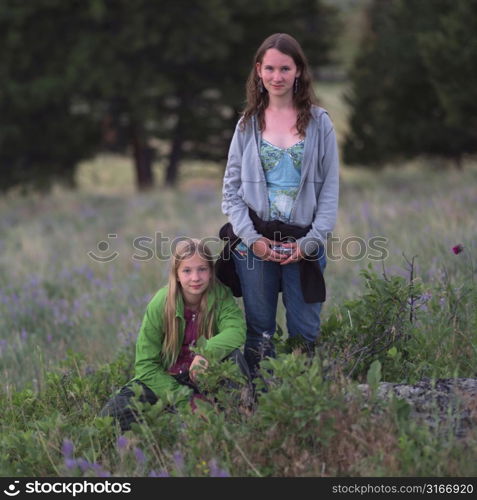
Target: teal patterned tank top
{"type": "Point", "coordinates": [282, 168]}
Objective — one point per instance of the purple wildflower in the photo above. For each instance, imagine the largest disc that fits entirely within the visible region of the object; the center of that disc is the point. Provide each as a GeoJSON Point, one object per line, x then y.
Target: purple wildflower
{"type": "Point", "coordinates": [154, 473]}
{"type": "Point", "coordinates": [122, 442]}
{"type": "Point", "coordinates": [178, 460]}
{"type": "Point", "coordinates": [215, 470]}
{"type": "Point", "coordinates": [23, 334]}
{"type": "Point", "coordinates": [67, 448]}
{"type": "Point", "coordinates": [100, 472]}
{"type": "Point", "coordinates": [83, 464]}
{"type": "Point", "coordinates": [140, 457]}
{"type": "Point", "coordinates": [423, 300]}
{"type": "Point", "coordinates": [88, 273]}
{"type": "Point", "coordinates": [426, 297]}
{"type": "Point", "coordinates": [70, 463]}
{"type": "Point", "coordinates": [458, 249]}
{"type": "Point", "coordinates": [365, 211]}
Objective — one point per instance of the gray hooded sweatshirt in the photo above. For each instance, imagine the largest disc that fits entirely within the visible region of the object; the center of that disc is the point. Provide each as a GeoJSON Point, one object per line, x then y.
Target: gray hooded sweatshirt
{"type": "Point", "coordinates": [316, 202]}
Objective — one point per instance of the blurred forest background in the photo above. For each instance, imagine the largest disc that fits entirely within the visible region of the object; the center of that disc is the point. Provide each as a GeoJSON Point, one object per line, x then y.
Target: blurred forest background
{"type": "Point", "coordinates": [162, 82]}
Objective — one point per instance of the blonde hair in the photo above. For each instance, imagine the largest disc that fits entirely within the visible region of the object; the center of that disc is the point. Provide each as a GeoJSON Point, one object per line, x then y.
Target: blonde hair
{"type": "Point", "coordinates": [303, 98]}
{"type": "Point", "coordinates": [182, 251]}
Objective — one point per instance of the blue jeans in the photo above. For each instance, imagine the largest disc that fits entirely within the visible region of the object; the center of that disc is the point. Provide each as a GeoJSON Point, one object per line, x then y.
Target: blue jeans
{"type": "Point", "coordinates": [260, 281]}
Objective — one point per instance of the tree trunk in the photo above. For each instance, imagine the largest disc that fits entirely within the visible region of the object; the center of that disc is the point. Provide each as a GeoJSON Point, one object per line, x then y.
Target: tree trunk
{"type": "Point", "coordinates": [458, 162]}
{"type": "Point", "coordinates": [143, 158]}
{"type": "Point", "coordinates": [175, 156]}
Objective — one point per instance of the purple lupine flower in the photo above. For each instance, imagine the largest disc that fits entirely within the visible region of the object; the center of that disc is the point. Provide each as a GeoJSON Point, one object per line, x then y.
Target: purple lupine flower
{"type": "Point", "coordinates": [67, 448]}
{"type": "Point", "coordinates": [423, 300]}
{"type": "Point", "coordinates": [100, 472]}
{"type": "Point", "coordinates": [122, 442]}
{"type": "Point", "coordinates": [215, 470]}
{"type": "Point", "coordinates": [88, 273]}
{"type": "Point", "coordinates": [426, 297]}
{"type": "Point", "coordinates": [178, 460]}
{"type": "Point", "coordinates": [140, 457]}
{"type": "Point", "coordinates": [458, 249]}
{"type": "Point", "coordinates": [365, 210]}
{"type": "Point", "coordinates": [23, 334]}
{"type": "Point", "coordinates": [83, 464]}
{"type": "Point", "coordinates": [154, 473]}
{"type": "Point", "coordinates": [70, 463]}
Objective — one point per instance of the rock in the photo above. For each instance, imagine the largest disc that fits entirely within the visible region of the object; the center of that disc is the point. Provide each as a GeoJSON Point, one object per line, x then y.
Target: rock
{"type": "Point", "coordinates": [440, 403]}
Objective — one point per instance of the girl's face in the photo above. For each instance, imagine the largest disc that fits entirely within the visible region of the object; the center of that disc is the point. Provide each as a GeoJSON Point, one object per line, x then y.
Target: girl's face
{"type": "Point", "coordinates": [278, 72]}
{"type": "Point", "coordinates": [194, 275]}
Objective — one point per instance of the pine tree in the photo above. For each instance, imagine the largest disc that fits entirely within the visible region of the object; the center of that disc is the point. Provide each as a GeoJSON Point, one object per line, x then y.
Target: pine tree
{"type": "Point", "coordinates": [398, 105]}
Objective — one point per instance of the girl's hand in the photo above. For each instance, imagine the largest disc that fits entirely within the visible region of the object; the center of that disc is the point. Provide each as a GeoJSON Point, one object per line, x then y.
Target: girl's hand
{"type": "Point", "coordinates": [295, 256]}
{"type": "Point", "coordinates": [199, 365]}
{"type": "Point", "coordinates": [262, 249]}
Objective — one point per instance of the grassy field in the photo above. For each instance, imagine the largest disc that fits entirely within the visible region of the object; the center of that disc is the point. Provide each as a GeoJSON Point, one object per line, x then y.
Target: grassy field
{"type": "Point", "coordinates": [55, 298]}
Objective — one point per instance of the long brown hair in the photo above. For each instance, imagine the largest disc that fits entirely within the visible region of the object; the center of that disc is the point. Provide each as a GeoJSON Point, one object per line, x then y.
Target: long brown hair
{"type": "Point", "coordinates": [183, 250]}
{"type": "Point", "coordinates": [304, 97]}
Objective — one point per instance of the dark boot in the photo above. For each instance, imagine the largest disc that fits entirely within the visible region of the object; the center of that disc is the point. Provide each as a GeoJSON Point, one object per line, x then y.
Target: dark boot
{"type": "Point", "coordinates": [119, 407]}
{"type": "Point", "coordinates": [238, 358]}
{"type": "Point", "coordinates": [261, 350]}
{"type": "Point", "coordinates": [247, 393]}
{"type": "Point", "coordinates": [308, 348]}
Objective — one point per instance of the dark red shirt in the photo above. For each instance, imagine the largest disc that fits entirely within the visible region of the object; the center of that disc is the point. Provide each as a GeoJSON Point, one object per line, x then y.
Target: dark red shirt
{"type": "Point", "coordinates": [190, 336]}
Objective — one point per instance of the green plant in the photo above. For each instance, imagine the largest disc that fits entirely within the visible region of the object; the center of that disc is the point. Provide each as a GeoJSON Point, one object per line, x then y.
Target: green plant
{"type": "Point", "coordinates": [375, 326]}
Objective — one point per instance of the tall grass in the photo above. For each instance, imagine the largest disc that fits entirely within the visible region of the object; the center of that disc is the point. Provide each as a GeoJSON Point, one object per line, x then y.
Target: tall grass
{"type": "Point", "coordinates": [55, 297]}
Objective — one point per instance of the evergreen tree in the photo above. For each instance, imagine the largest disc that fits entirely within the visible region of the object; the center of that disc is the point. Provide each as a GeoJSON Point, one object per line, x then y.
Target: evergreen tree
{"type": "Point", "coordinates": [81, 75]}
{"type": "Point", "coordinates": [398, 109]}
{"type": "Point", "coordinates": [45, 127]}
{"type": "Point", "coordinates": [450, 57]}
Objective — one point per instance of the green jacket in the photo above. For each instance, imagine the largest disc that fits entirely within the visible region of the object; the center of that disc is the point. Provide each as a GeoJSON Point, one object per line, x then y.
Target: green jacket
{"type": "Point", "coordinates": [150, 366]}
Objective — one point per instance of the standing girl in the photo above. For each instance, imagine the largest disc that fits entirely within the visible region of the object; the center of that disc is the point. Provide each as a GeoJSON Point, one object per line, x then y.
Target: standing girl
{"type": "Point", "coordinates": [192, 305]}
{"type": "Point", "coordinates": [280, 193]}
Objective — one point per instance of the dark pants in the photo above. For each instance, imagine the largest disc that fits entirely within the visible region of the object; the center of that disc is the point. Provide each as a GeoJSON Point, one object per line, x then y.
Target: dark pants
{"type": "Point", "coordinates": [119, 406]}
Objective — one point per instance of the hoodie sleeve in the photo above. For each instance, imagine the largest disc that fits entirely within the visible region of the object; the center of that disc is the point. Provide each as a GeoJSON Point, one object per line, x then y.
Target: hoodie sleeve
{"type": "Point", "coordinates": [327, 208]}
{"type": "Point", "coordinates": [232, 203]}
{"type": "Point", "coordinates": [230, 326]}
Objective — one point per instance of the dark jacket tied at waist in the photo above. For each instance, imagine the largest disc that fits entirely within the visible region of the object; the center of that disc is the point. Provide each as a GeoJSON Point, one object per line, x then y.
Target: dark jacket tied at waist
{"type": "Point", "coordinates": [311, 277]}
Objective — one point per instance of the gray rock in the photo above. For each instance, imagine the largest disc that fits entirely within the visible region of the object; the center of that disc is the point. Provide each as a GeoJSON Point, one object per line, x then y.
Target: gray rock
{"type": "Point", "coordinates": [443, 404]}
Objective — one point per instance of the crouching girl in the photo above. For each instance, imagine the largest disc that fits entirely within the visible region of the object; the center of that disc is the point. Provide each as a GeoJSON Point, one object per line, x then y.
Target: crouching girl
{"type": "Point", "coordinates": [192, 305]}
